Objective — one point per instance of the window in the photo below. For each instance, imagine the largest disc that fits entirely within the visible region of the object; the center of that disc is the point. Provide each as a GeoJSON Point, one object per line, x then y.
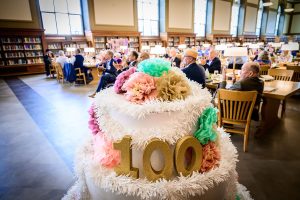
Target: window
{"type": "Point", "coordinates": [148, 17]}
{"type": "Point", "coordinates": [234, 18]}
{"type": "Point", "coordinates": [62, 17]}
{"type": "Point", "coordinates": [200, 17]}
{"type": "Point", "coordinates": [277, 20]}
{"type": "Point", "coordinates": [259, 17]}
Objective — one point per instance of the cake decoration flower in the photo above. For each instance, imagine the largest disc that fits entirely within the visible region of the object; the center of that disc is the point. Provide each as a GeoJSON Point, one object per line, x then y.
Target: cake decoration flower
{"type": "Point", "coordinates": [93, 125]}
{"type": "Point", "coordinates": [171, 86]}
{"type": "Point", "coordinates": [211, 157]}
{"type": "Point", "coordinates": [154, 67]}
{"type": "Point", "coordinates": [140, 87]}
{"type": "Point", "coordinates": [206, 133]}
{"type": "Point", "coordinates": [122, 78]}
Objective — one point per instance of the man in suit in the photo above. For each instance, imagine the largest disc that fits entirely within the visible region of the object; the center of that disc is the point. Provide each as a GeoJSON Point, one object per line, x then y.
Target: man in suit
{"type": "Point", "coordinates": [175, 61]}
{"type": "Point", "coordinates": [109, 72]}
{"type": "Point", "coordinates": [249, 81]}
{"type": "Point", "coordinates": [213, 63]}
{"type": "Point", "coordinates": [193, 71]}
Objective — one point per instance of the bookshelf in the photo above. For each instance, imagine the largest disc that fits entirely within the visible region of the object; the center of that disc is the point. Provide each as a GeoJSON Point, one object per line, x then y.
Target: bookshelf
{"type": "Point", "coordinates": [21, 51]}
{"type": "Point", "coordinates": [220, 38]}
{"type": "Point", "coordinates": [151, 41]}
{"type": "Point", "coordinates": [175, 39]}
{"type": "Point", "coordinates": [56, 43]}
{"type": "Point", "coordinates": [113, 40]}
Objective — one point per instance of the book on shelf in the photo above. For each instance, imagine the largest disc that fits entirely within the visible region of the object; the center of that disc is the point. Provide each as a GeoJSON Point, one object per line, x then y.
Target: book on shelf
{"type": "Point", "coordinates": [13, 47]}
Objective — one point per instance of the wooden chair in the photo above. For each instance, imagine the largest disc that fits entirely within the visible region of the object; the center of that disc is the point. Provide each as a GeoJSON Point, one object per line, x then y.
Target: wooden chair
{"type": "Point", "coordinates": [263, 69]}
{"type": "Point", "coordinates": [52, 69]}
{"type": "Point", "coordinates": [59, 72]}
{"type": "Point", "coordinates": [281, 74]}
{"type": "Point", "coordinates": [80, 76]}
{"type": "Point", "coordinates": [235, 109]}
{"type": "Point", "coordinates": [296, 75]}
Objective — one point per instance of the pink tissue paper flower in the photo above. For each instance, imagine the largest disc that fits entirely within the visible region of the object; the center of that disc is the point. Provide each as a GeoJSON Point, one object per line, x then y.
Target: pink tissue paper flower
{"type": "Point", "coordinates": [122, 78]}
{"type": "Point", "coordinates": [104, 153]}
{"type": "Point", "coordinates": [93, 125]}
{"type": "Point", "coordinates": [140, 87]}
{"type": "Point", "coordinates": [211, 157]}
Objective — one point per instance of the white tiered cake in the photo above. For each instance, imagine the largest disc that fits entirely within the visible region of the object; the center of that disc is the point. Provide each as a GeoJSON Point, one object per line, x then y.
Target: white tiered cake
{"type": "Point", "coordinates": [140, 128]}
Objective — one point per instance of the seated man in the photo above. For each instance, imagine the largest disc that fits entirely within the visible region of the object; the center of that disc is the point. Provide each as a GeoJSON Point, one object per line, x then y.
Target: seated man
{"type": "Point", "coordinates": [109, 72]}
{"type": "Point", "coordinates": [193, 71]}
{"type": "Point", "coordinates": [213, 63]}
{"type": "Point", "coordinates": [131, 62]}
{"type": "Point", "coordinates": [249, 81]}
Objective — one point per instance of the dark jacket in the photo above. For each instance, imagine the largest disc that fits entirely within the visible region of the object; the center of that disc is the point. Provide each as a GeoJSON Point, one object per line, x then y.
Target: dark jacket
{"type": "Point", "coordinates": [214, 65]}
{"type": "Point", "coordinates": [195, 73]}
{"type": "Point", "coordinates": [249, 84]}
{"type": "Point", "coordinates": [78, 61]}
{"type": "Point", "coordinates": [177, 62]}
{"type": "Point", "coordinates": [109, 67]}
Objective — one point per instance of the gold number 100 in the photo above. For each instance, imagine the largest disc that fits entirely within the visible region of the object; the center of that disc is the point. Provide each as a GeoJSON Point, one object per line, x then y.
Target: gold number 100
{"type": "Point", "coordinates": [187, 144]}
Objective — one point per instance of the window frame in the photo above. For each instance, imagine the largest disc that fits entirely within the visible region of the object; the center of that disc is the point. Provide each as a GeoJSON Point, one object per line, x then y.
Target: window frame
{"type": "Point", "coordinates": [68, 13]}
{"type": "Point", "coordinates": [151, 20]}
{"type": "Point", "coordinates": [199, 23]}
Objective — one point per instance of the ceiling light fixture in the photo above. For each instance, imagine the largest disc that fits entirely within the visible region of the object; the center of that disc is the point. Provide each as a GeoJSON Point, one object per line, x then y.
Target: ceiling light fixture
{"type": "Point", "coordinates": [267, 4]}
{"type": "Point", "coordinates": [289, 10]}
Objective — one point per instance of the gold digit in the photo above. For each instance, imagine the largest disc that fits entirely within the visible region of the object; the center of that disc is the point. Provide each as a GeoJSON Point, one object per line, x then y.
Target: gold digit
{"type": "Point", "coordinates": [166, 172]}
{"type": "Point", "coordinates": [182, 146]}
{"type": "Point", "coordinates": [125, 166]}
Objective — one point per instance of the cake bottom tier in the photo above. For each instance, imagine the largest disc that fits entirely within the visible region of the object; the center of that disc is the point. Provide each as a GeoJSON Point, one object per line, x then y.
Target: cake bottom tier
{"type": "Point", "coordinates": [97, 182]}
{"type": "Point", "coordinates": [97, 193]}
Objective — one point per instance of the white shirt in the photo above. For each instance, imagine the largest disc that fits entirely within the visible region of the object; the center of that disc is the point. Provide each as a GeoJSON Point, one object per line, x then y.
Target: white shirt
{"type": "Point", "coordinates": [62, 60]}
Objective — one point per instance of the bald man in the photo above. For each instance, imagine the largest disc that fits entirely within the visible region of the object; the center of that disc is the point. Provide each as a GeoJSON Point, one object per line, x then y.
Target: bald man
{"type": "Point", "coordinates": [249, 81]}
{"type": "Point", "coordinates": [213, 63]}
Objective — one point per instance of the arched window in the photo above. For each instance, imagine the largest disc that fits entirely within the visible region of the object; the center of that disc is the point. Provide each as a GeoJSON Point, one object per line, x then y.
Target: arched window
{"type": "Point", "coordinates": [234, 17]}
{"type": "Point", "coordinates": [62, 17]}
{"type": "Point", "coordinates": [259, 17]}
{"type": "Point", "coordinates": [200, 17]}
{"type": "Point", "coordinates": [277, 20]}
{"type": "Point", "coordinates": [148, 16]}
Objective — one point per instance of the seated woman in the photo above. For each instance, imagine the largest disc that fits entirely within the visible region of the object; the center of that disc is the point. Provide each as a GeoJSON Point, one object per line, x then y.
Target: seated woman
{"type": "Point", "coordinates": [263, 58]}
{"type": "Point", "coordinates": [78, 63]}
{"type": "Point", "coordinates": [61, 59]}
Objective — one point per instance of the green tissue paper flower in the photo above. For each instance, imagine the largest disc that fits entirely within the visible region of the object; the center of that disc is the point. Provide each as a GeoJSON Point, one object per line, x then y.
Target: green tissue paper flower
{"type": "Point", "coordinates": [154, 67]}
{"type": "Point", "coordinates": [206, 133]}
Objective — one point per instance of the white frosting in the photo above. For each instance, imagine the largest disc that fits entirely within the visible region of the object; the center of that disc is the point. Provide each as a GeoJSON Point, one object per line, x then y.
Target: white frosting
{"type": "Point", "coordinates": [168, 121]}
{"type": "Point", "coordinates": [179, 187]}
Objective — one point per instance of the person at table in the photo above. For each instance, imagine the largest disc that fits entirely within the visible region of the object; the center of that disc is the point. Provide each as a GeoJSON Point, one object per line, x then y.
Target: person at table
{"type": "Point", "coordinates": [109, 73]}
{"type": "Point", "coordinates": [61, 59]}
{"type": "Point", "coordinates": [249, 81]}
{"type": "Point", "coordinates": [213, 63]}
{"type": "Point", "coordinates": [263, 58]}
{"type": "Point", "coordinates": [175, 61]}
{"type": "Point", "coordinates": [78, 63]}
{"type": "Point", "coordinates": [285, 57]}
{"type": "Point", "coordinates": [47, 61]}
{"type": "Point", "coordinates": [193, 71]}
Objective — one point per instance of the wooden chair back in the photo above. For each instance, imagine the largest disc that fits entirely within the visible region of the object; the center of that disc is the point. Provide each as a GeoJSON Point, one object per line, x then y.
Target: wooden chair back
{"type": "Point", "coordinates": [59, 72]}
{"type": "Point", "coordinates": [235, 108]}
{"type": "Point", "coordinates": [281, 74]}
{"type": "Point", "coordinates": [52, 69]}
{"type": "Point", "coordinates": [263, 69]}
{"type": "Point", "coordinates": [80, 76]}
{"type": "Point", "coordinates": [296, 75]}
